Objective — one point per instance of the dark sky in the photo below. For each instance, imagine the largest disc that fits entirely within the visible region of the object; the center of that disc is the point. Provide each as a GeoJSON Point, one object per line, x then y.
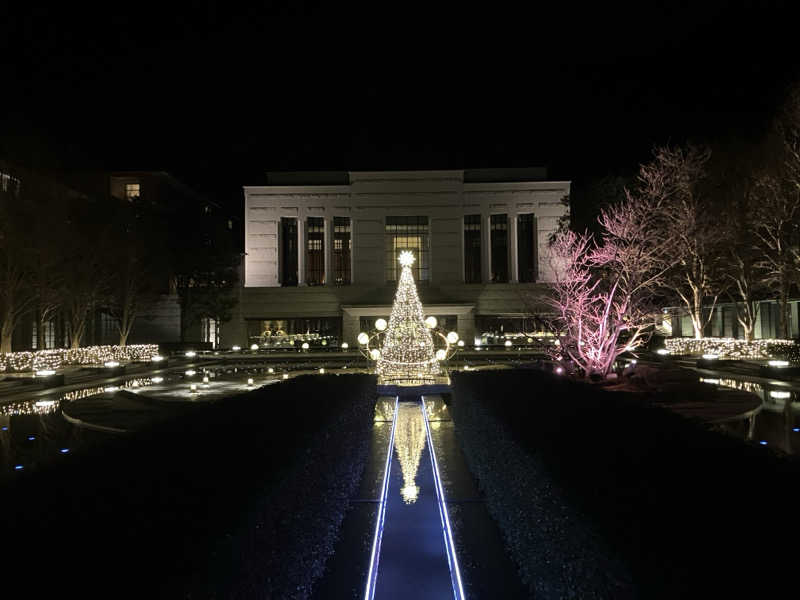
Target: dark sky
{"type": "Point", "coordinates": [220, 92]}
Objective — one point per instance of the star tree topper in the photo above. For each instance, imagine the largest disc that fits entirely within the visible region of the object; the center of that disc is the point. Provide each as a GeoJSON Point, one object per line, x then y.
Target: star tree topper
{"type": "Point", "coordinates": [406, 258]}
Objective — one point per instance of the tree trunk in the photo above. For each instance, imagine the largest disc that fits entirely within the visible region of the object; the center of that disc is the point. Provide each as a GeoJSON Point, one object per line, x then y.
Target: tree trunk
{"type": "Point", "coordinates": [697, 314]}
{"type": "Point", "coordinates": [6, 332]}
{"type": "Point", "coordinates": [123, 339]}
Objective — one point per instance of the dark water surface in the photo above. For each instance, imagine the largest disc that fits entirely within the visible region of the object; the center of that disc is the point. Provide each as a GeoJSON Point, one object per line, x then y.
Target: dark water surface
{"type": "Point", "coordinates": [413, 559]}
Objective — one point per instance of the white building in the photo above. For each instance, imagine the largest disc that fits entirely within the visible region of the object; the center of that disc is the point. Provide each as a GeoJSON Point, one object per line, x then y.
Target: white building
{"type": "Point", "coordinates": [321, 250]}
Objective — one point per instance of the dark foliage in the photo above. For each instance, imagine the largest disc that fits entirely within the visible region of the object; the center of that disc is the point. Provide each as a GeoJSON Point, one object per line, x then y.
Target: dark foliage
{"type": "Point", "coordinates": [242, 499]}
{"type": "Point", "coordinates": [691, 512]}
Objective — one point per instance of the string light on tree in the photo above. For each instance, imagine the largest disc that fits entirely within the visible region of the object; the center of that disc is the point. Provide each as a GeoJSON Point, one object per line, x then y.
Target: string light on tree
{"type": "Point", "coordinates": [408, 352]}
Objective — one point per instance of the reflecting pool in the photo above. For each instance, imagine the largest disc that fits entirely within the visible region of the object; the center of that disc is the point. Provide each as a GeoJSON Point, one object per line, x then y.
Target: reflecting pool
{"type": "Point", "coordinates": [777, 425]}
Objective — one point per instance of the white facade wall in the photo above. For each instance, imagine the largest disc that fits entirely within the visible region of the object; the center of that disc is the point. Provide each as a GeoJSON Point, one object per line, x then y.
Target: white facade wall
{"type": "Point", "coordinates": [370, 197]}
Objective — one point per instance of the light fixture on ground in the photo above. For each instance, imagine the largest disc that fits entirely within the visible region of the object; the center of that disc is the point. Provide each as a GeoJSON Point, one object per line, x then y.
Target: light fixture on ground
{"type": "Point", "coordinates": [710, 356]}
{"type": "Point", "coordinates": [236, 348]}
{"type": "Point", "coordinates": [254, 347]}
{"type": "Point", "coordinates": [157, 358]}
{"type": "Point", "coordinates": [778, 363]}
{"type": "Point", "coordinates": [286, 376]}
{"type": "Point", "coordinates": [345, 345]}
{"type": "Point", "coordinates": [662, 351]}
{"type": "Point", "coordinates": [205, 379]}
{"type": "Point", "coordinates": [157, 379]}
{"type": "Point", "coordinates": [322, 370]}
{"type": "Point", "coordinates": [193, 387]}
{"type": "Point", "coordinates": [460, 343]}
{"type": "Point", "coordinates": [270, 370]}
{"type": "Point", "coordinates": [508, 344]}
{"type": "Point", "coordinates": [45, 372]}
{"type": "Point", "coordinates": [191, 373]}
{"type": "Point", "coordinates": [780, 395]}
{"type": "Point", "coordinates": [304, 346]}
{"type": "Point", "coordinates": [111, 364]}
{"type": "Point", "coordinates": [191, 354]}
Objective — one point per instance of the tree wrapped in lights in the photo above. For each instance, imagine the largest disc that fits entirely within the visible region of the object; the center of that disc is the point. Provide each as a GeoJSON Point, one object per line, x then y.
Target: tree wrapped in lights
{"type": "Point", "coordinates": [408, 352]}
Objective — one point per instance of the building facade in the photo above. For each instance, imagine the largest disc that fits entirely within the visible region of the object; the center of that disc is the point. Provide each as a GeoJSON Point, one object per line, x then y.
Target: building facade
{"type": "Point", "coordinates": [724, 321]}
{"type": "Point", "coordinates": [321, 251]}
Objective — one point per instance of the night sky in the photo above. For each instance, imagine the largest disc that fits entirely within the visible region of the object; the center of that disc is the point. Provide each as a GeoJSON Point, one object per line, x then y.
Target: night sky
{"type": "Point", "coordinates": [219, 93]}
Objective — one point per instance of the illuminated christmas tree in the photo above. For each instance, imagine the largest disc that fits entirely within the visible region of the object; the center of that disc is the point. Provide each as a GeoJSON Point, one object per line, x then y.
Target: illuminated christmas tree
{"type": "Point", "coordinates": [408, 354]}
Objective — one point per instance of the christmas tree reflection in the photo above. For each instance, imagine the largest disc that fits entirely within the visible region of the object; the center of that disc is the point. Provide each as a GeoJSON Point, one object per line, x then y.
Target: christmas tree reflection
{"type": "Point", "coordinates": [409, 441]}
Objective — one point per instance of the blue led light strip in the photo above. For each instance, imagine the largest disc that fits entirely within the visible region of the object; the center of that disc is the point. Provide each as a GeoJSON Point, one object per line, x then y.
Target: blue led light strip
{"type": "Point", "coordinates": [372, 575]}
{"type": "Point", "coordinates": [452, 561]}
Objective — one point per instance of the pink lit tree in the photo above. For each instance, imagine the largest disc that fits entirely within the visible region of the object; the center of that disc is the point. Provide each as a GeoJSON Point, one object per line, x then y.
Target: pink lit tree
{"type": "Point", "coordinates": [605, 287]}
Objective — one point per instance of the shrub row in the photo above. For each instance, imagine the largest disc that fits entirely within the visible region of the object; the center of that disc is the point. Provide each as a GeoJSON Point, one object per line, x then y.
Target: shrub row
{"type": "Point", "coordinates": [691, 512]}
{"type": "Point", "coordinates": [239, 499]}
{"type": "Point", "coordinates": [554, 545]}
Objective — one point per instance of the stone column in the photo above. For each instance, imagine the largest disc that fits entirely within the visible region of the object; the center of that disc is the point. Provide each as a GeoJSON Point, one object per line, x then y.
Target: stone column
{"type": "Point", "coordinates": [513, 249]}
{"type": "Point", "coordinates": [328, 246]}
{"type": "Point", "coordinates": [465, 327]}
{"type": "Point", "coordinates": [350, 325]}
{"type": "Point", "coordinates": [301, 251]}
{"type": "Point", "coordinates": [486, 251]}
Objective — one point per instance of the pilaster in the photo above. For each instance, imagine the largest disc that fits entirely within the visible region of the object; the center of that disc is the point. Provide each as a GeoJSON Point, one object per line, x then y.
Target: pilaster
{"type": "Point", "coordinates": [486, 251]}
{"type": "Point", "coordinates": [513, 249]}
{"type": "Point", "coordinates": [301, 251]}
{"type": "Point", "coordinates": [328, 246]}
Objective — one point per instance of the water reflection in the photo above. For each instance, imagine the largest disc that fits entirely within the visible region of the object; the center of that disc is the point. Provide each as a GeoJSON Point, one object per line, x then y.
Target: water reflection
{"type": "Point", "coordinates": [776, 425]}
{"type": "Point", "coordinates": [409, 442]}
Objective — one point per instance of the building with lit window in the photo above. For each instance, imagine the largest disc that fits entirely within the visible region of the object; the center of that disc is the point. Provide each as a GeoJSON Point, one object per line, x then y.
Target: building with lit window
{"type": "Point", "coordinates": [321, 251]}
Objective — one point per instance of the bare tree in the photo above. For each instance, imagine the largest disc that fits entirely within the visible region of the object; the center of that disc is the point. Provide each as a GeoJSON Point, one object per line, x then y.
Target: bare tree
{"type": "Point", "coordinates": [692, 225]}
{"type": "Point", "coordinates": [777, 226]}
{"type": "Point", "coordinates": [16, 295]}
{"type": "Point", "coordinates": [605, 286]}
{"type": "Point", "coordinates": [87, 267]}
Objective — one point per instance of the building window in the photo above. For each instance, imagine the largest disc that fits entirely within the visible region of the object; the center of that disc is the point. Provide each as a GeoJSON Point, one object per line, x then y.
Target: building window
{"type": "Point", "coordinates": [342, 246]}
{"type": "Point", "coordinates": [9, 183]}
{"type": "Point", "coordinates": [472, 248]}
{"type": "Point", "coordinates": [48, 335]}
{"type": "Point", "coordinates": [499, 245]}
{"type": "Point", "coordinates": [109, 332]}
{"type": "Point", "coordinates": [131, 191]}
{"type": "Point", "coordinates": [288, 247]}
{"type": "Point", "coordinates": [315, 251]}
{"type": "Point", "coordinates": [407, 233]}
{"type": "Point", "coordinates": [494, 331]}
{"type": "Point", "coordinates": [209, 331]}
{"type": "Point", "coordinates": [321, 333]}
{"type": "Point", "coordinates": [526, 247]}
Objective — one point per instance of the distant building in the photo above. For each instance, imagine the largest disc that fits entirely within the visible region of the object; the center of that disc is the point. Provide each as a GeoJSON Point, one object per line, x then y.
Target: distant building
{"type": "Point", "coordinates": [321, 251]}
{"type": "Point", "coordinates": [724, 323]}
{"type": "Point", "coordinates": [159, 321]}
